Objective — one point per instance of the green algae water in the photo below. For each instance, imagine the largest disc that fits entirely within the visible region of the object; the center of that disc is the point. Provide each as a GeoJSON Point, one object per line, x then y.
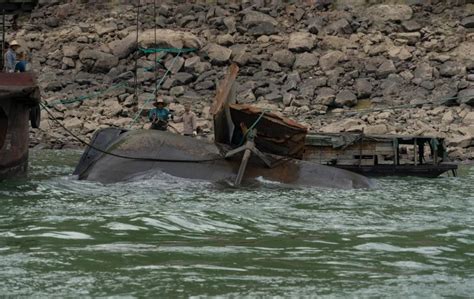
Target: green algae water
{"type": "Point", "coordinates": [168, 237]}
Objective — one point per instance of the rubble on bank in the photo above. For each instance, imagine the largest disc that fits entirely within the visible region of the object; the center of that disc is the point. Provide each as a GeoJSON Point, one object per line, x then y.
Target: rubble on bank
{"type": "Point", "coordinates": [316, 64]}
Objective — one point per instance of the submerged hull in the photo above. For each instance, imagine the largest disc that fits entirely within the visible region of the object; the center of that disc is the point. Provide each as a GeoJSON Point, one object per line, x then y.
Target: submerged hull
{"type": "Point", "coordinates": [186, 157]}
{"type": "Point", "coordinates": [427, 171]}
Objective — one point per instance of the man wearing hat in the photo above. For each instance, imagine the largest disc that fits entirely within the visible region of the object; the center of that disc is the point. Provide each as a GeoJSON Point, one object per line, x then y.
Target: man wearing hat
{"type": "Point", "coordinates": [10, 57]}
{"type": "Point", "coordinates": [159, 116]}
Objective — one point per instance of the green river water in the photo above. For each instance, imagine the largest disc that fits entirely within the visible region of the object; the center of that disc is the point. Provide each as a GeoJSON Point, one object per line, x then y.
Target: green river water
{"type": "Point", "coordinates": [166, 237]}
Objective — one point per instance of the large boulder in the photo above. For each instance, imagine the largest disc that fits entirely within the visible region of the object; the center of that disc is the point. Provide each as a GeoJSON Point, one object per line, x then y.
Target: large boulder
{"type": "Point", "coordinates": [301, 41]}
{"type": "Point", "coordinates": [124, 47]}
{"type": "Point", "coordinates": [326, 96]}
{"type": "Point", "coordinates": [386, 12]}
{"type": "Point", "coordinates": [363, 88]}
{"type": "Point", "coordinates": [468, 22]}
{"type": "Point", "coordinates": [284, 57]}
{"type": "Point", "coordinates": [330, 60]}
{"type": "Point", "coordinates": [217, 54]}
{"type": "Point", "coordinates": [98, 62]}
{"type": "Point", "coordinates": [379, 129]}
{"type": "Point", "coordinates": [423, 72]}
{"type": "Point", "coordinates": [466, 96]}
{"type": "Point", "coordinates": [259, 23]}
{"type": "Point", "coordinates": [305, 61]}
{"type": "Point", "coordinates": [253, 18]}
{"type": "Point", "coordinates": [166, 38]}
{"type": "Point", "coordinates": [451, 68]}
{"type": "Point", "coordinates": [345, 98]}
{"type": "Point", "coordinates": [386, 68]}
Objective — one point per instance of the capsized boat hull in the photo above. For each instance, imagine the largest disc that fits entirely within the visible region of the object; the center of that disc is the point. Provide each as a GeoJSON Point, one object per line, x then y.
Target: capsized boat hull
{"type": "Point", "coordinates": [150, 144]}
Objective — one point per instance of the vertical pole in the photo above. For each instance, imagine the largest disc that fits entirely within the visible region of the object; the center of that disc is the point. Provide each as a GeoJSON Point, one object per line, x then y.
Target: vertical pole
{"type": "Point", "coordinates": [156, 53]}
{"type": "Point", "coordinates": [421, 152]}
{"type": "Point", "coordinates": [396, 157]}
{"type": "Point", "coordinates": [415, 151]}
{"type": "Point", "coordinates": [137, 51]}
{"type": "Point", "coordinates": [3, 41]}
{"type": "Point", "coordinates": [243, 166]}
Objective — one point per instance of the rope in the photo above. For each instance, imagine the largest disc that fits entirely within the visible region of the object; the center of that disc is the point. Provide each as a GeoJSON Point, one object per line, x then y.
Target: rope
{"type": "Point", "coordinates": [168, 50]}
{"type": "Point", "coordinates": [53, 118]}
{"type": "Point", "coordinates": [158, 85]}
{"type": "Point", "coordinates": [361, 111]}
{"type": "Point", "coordinates": [85, 97]}
{"type": "Point", "coordinates": [249, 130]}
{"type": "Point", "coordinates": [156, 53]}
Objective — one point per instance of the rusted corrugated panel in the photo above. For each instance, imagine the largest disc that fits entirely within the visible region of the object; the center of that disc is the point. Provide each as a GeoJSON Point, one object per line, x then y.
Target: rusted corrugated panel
{"type": "Point", "coordinates": [249, 109]}
{"type": "Point", "coordinates": [275, 134]}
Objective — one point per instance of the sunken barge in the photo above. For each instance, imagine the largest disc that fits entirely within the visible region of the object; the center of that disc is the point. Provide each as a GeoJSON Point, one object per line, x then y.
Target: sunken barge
{"type": "Point", "coordinates": [380, 155]}
{"type": "Point", "coordinates": [19, 106]}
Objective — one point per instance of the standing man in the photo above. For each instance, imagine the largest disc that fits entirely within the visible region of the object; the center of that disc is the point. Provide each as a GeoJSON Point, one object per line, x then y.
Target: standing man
{"type": "Point", "coordinates": [189, 121]}
{"type": "Point", "coordinates": [159, 116]}
{"type": "Point", "coordinates": [10, 57]}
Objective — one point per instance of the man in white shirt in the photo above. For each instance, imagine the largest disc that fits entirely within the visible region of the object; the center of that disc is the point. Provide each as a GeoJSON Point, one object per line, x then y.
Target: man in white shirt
{"type": "Point", "coordinates": [189, 121]}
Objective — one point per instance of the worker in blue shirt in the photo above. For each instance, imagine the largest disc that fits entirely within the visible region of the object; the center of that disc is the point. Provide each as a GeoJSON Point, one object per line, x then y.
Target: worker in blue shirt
{"type": "Point", "coordinates": [10, 57]}
{"type": "Point", "coordinates": [159, 116]}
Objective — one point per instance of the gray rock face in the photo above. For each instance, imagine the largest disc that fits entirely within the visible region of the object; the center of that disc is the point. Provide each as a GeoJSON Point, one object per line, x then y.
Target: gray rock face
{"type": "Point", "coordinates": [341, 26]}
{"type": "Point", "coordinates": [259, 23]}
{"type": "Point", "coordinates": [124, 47]}
{"type": "Point", "coordinates": [345, 98]}
{"type": "Point", "coordinates": [386, 69]}
{"type": "Point", "coordinates": [183, 78]}
{"type": "Point", "coordinates": [451, 68]}
{"type": "Point", "coordinates": [466, 96]}
{"type": "Point", "coordinates": [230, 22]}
{"type": "Point", "coordinates": [263, 29]}
{"type": "Point", "coordinates": [253, 18]}
{"type": "Point", "coordinates": [423, 72]}
{"type": "Point", "coordinates": [292, 81]}
{"type": "Point", "coordinates": [411, 25]}
{"type": "Point", "coordinates": [71, 51]}
{"type": "Point", "coordinates": [305, 61]}
{"type": "Point", "coordinates": [385, 12]}
{"type": "Point", "coordinates": [363, 88]}
{"type": "Point", "coordinates": [271, 66]}
{"type": "Point", "coordinates": [468, 22]}
{"type": "Point", "coordinates": [218, 54]}
{"type": "Point", "coordinates": [284, 57]}
{"type": "Point", "coordinates": [301, 41]}
{"type": "Point", "coordinates": [330, 60]}
{"type": "Point", "coordinates": [174, 65]}
{"type": "Point", "coordinates": [326, 96]}
{"type": "Point", "coordinates": [98, 62]}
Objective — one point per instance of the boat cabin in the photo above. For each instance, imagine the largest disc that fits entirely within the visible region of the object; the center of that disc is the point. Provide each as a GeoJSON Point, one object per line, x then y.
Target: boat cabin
{"type": "Point", "coordinates": [380, 155]}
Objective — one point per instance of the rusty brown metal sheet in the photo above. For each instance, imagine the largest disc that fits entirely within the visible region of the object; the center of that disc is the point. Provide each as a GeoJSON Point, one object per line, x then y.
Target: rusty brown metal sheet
{"type": "Point", "coordinates": [277, 119]}
{"type": "Point", "coordinates": [223, 90]}
{"type": "Point", "coordinates": [20, 86]}
{"type": "Point", "coordinates": [275, 134]}
{"type": "Point", "coordinates": [17, 79]}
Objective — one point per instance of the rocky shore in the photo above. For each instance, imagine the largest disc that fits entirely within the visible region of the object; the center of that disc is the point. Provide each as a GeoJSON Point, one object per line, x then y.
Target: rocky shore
{"type": "Point", "coordinates": [335, 66]}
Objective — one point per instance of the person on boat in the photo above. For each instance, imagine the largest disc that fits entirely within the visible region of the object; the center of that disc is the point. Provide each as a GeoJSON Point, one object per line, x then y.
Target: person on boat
{"type": "Point", "coordinates": [189, 121]}
{"type": "Point", "coordinates": [159, 116]}
{"type": "Point", "coordinates": [10, 57]}
{"type": "Point", "coordinates": [22, 63]}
